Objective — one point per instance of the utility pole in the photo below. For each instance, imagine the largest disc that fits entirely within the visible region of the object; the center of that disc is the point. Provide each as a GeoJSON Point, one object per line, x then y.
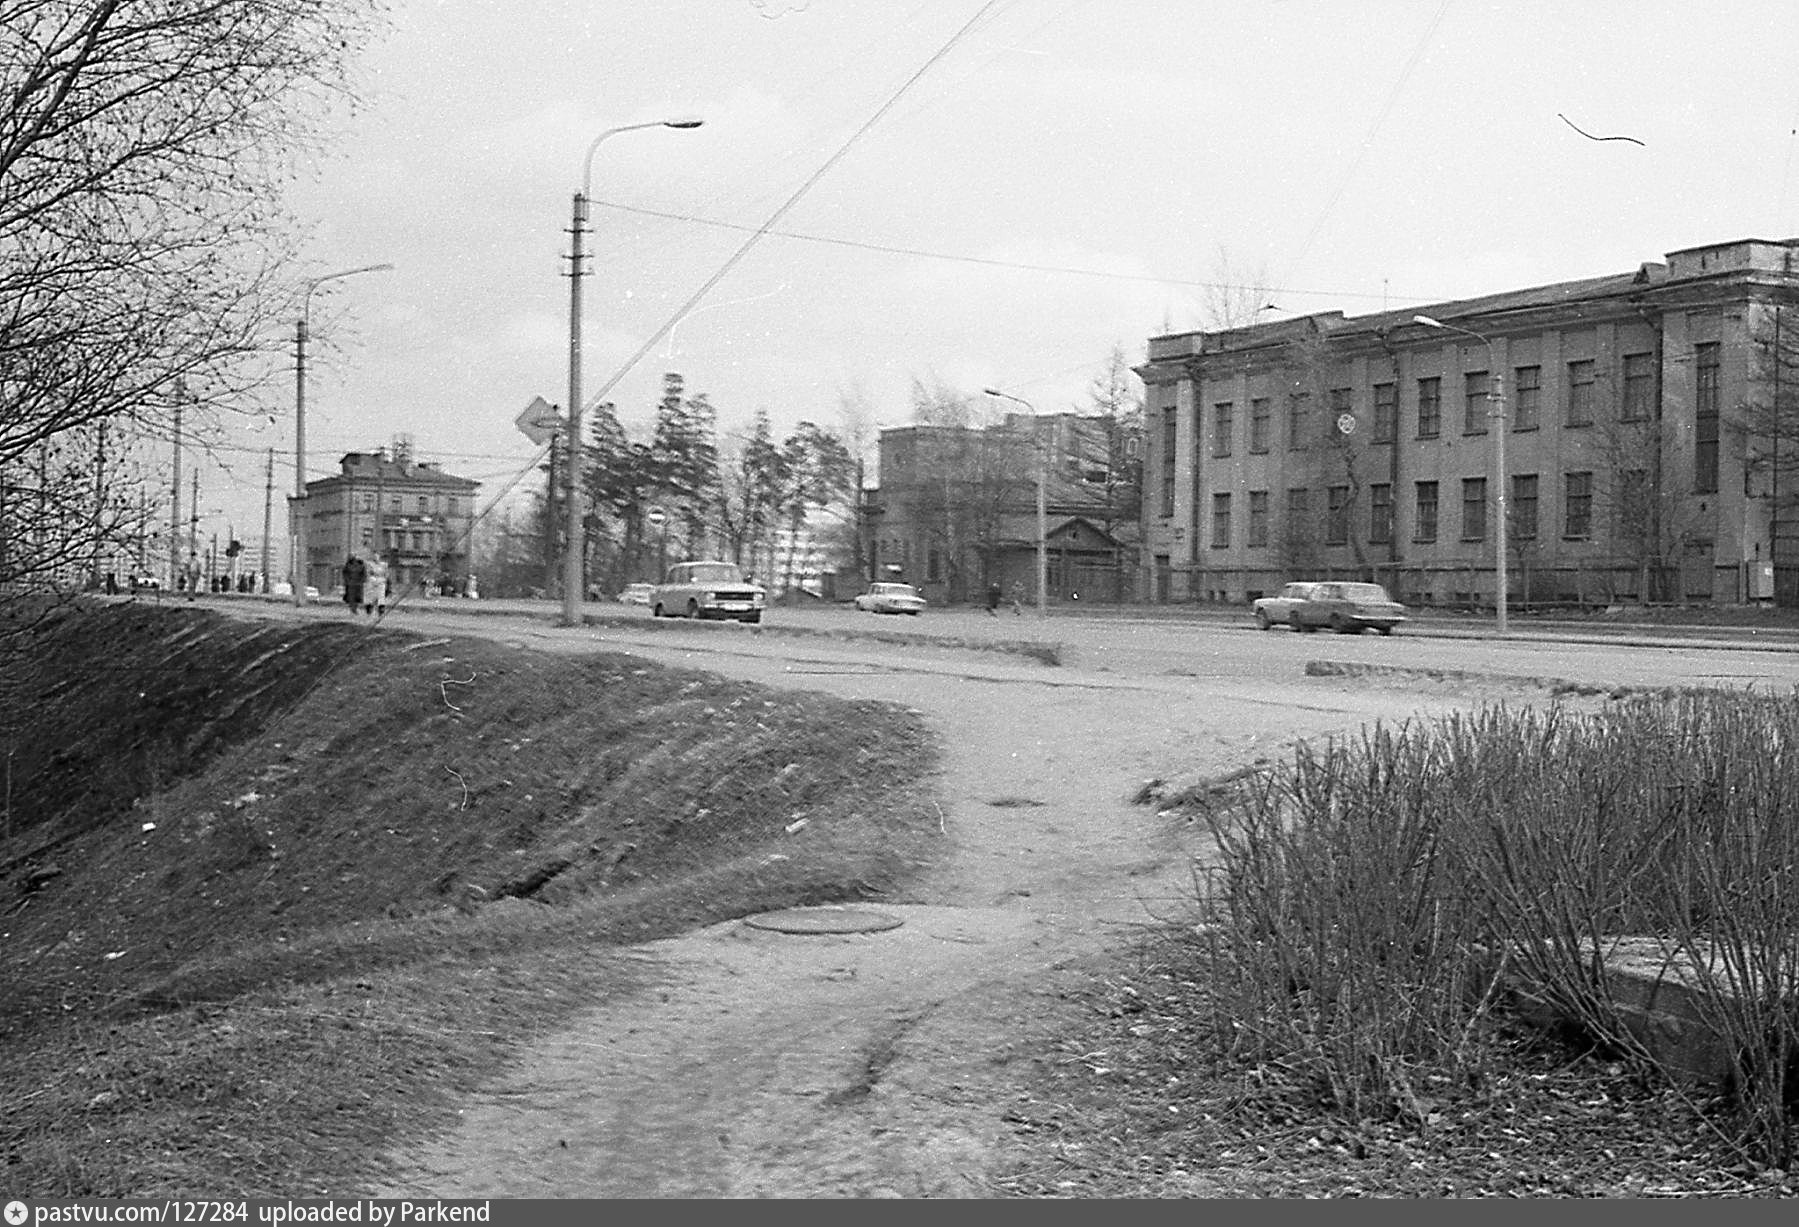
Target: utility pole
{"type": "Point", "coordinates": [268, 512]}
{"type": "Point", "coordinates": [175, 490]}
{"type": "Point", "coordinates": [99, 506]}
{"type": "Point", "coordinates": [193, 533]}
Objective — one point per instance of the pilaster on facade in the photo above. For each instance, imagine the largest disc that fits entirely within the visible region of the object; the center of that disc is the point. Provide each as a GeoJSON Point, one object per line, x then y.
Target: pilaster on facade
{"type": "Point", "coordinates": [1367, 446]}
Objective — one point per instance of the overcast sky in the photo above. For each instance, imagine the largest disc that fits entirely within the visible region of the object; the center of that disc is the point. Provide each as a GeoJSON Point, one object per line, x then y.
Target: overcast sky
{"type": "Point", "coordinates": [988, 193]}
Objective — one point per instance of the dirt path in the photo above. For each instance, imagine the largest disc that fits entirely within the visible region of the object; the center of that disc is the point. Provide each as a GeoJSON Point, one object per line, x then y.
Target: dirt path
{"type": "Point", "coordinates": [875, 1064]}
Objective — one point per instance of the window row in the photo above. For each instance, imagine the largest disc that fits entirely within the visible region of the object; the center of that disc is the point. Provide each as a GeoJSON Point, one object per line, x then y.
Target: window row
{"type": "Point", "coordinates": [397, 503]}
{"type": "Point", "coordinates": [1580, 405]}
{"type": "Point", "coordinates": [1631, 502]}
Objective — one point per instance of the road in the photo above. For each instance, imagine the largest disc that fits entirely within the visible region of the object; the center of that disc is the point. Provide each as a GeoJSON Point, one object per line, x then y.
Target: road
{"type": "Point", "coordinates": [881, 1064]}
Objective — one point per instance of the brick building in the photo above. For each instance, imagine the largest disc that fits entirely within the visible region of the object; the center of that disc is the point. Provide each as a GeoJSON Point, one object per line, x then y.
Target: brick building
{"type": "Point", "coordinates": [1637, 466]}
{"type": "Point", "coordinates": [418, 516]}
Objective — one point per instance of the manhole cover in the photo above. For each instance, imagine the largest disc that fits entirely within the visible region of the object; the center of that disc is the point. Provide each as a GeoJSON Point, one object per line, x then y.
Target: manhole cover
{"type": "Point", "coordinates": [824, 920]}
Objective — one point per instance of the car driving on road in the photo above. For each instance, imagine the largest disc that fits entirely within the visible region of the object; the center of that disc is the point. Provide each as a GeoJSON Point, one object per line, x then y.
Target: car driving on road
{"type": "Point", "coordinates": [891, 599]}
{"type": "Point", "coordinates": [1277, 610]}
{"type": "Point", "coordinates": [1349, 609]}
{"type": "Point", "coordinates": [708, 590]}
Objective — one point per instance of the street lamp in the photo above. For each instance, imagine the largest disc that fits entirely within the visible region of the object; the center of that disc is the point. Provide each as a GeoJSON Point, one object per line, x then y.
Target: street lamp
{"type": "Point", "coordinates": [1496, 399]}
{"type": "Point", "coordinates": [574, 580]}
{"type": "Point", "coordinates": [1042, 508]}
{"type": "Point", "coordinates": [297, 546]}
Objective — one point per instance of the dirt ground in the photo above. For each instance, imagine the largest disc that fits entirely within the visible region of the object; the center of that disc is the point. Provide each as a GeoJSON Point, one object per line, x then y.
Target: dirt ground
{"type": "Point", "coordinates": [880, 1064]}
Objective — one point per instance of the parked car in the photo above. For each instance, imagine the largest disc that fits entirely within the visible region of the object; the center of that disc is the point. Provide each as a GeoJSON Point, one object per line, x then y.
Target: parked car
{"type": "Point", "coordinates": [891, 599]}
{"type": "Point", "coordinates": [708, 590]}
{"type": "Point", "coordinates": [637, 594]}
{"type": "Point", "coordinates": [1277, 610]}
{"type": "Point", "coordinates": [1349, 608]}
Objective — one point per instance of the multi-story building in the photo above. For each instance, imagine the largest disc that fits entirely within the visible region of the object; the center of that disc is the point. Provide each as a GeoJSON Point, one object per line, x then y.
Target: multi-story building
{"type": "Point", "coordinates": [957, 508]}
{"type": "Point", "coordinates": [416, 516]}
{"type": "Point", "coordinates": [1643, 448]}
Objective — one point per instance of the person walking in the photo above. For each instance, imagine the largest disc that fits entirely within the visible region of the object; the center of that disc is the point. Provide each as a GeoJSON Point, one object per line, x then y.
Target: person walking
{"type": "Point", "coordinates": [994, 594]}
{"type": "Point", "coordinates": [374, 587]}
{"type": "Point", "coordinates": [355, 575]}
{"type": "Point", "coordinates": [1018, 598]}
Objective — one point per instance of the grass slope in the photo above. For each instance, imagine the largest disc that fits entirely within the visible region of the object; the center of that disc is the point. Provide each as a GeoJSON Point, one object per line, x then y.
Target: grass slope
{"type": "Point", "coordinates": [270, 896]}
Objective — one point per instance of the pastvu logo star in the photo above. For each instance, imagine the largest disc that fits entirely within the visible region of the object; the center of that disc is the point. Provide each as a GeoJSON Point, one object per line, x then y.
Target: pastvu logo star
{"type": "Point", "coordinates": [16, 1213]}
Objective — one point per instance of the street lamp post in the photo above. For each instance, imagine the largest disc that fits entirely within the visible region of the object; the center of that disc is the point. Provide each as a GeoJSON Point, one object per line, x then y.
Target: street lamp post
{"type": "Point", "coordinates": [1496, 411]}
{"type": "Point", "coordinates": [1042, 503]}
{"type": "Point", "coordinates": [297, 545]}
{"type": "Point", "coordinates": [574, 579]}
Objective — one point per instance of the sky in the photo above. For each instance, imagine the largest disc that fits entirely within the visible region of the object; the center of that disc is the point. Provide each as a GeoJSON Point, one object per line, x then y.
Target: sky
{"type": "Point", "coordinates": [971, 194]}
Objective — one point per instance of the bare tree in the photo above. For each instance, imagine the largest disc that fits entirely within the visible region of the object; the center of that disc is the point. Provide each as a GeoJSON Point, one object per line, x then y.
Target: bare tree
{"type": "Point", "coordinates": [1235, 297]}
{"type": "Point", "coordinates": [142, 239]}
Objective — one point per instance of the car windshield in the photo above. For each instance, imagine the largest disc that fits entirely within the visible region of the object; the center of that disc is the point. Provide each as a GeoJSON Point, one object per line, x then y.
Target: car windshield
{"type": "Point", "coordinates": [1365, 592]}
{"type": "Point", "coordinates": [715, 573]}
{"type": "Point", "coordinates": [894, 590]}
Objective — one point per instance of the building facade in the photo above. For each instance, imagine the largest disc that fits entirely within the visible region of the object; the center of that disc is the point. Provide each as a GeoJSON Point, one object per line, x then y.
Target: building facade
{"type": "Point", "coordinates": [956, 508]}
{"type": "Point", "coordinates": [1642, 448]}
{"type": "Point", "coordinates": [417, 517]}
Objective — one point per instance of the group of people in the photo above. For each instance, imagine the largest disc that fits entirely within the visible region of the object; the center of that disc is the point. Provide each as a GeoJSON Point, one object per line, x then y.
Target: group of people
{"type": "Point", "coordinates": [365, 585]}
{"type": "Point", "coordinates": [996, 594]}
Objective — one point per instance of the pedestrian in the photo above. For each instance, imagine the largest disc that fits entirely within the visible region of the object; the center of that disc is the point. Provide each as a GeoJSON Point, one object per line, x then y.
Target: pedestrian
{"type": "Point", "coordinates": [1018, 598]}
{"type": "Point", "coordinates": [112, 583]}
{"type": "Point", "coordinates": [374, 587]}
{"type": "Point", "coordinates": [994, 594]}
{"type": "Point", "coordinates": [355, 576]}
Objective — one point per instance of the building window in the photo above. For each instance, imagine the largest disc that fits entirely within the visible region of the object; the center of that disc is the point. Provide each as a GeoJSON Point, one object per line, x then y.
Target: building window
{"type": "Point", "coordinates": [1259, 415]}
{"type": "Point", "coordinates": [1527, 397]}
{"type": "Point", "coordinates": [1635, 518]}
{"type": "Point", "coordinates": [424, 505]}
{"type": "Point", "coordinates": [368, 500]}
{"type": "Point", "coordinates": [1342, 404]}
{"type": "Point", "coordinates": [1639, 387]}
{"type": "Point", "coordinates": [1474, 509]}
{"type": "Point", "coordinates": [1386, 412]}
{"type": "Point", "coordinates": [1336, 522]}
{"type": "Point", "coordinates": [393, 503]}
{"type": "Point", "coordinates": [1522, 517]}
{"type": "Point", "coordinates": [1258, 517]}
{"type": "Point", "coordinates": [1221, 521]}
{"type": "Point", "coordinates": [1299, 409]}
{"type": "Point", "coordinates": [1299, 514]}
{"type": "Point", "coordinates": [1474, 403]}
{"type": "Point", "coordinates": [1580, 392]}
{"type": "Point", "coordinates": [1705, 418]}
{"type": "Point", "coordinates": [1380, 513]}
{"type": "Point", "coordinates": [1223, 424]}
{"type": "Point", "coordinates": [1430, 408]}
{"type": "Point", "coordinates": [1425, 499]}
{"type": "Point", "coordinates": [450, 505]}
{"type": "Point", "coordinates": [1170, 429]}
{"type": "Point", "coordinates": [1577, 507]}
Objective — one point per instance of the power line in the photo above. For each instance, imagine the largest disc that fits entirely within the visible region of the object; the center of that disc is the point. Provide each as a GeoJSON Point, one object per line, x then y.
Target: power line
{"type": "Point", "coordinates": [894, 250]}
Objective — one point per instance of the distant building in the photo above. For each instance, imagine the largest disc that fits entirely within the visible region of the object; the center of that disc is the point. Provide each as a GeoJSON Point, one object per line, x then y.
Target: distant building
{"type": "Point", "coordinates": [1638, 465]}
{"type": "Point", "coordinates": [956, 508]}
{"type": "Point", "coordinates": [418, 517]}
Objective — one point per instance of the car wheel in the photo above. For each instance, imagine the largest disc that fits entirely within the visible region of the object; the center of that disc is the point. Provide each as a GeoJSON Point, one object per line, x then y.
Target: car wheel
{"type": "Point", "coordinates": [1386, 630]}
{"type": "Point", "coordinates": [755, 617]}
{"type": "Point", "coordinates": [912, 613]}
{"type": "Point", "coordinates": [693, 609]}
{"type": "Point", "coordinates": [656, 610]}
{"type": "Point", "coordinates": [1339, 625]}
{"type": "Point", "coordinates": [1263, 621]}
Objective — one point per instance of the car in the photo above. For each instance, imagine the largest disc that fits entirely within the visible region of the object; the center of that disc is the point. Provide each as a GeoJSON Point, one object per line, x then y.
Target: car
{"type": "Point", "coordinates": [708, 589]}
{"type": "Point", "coordinates": [891, 599]}
{"type": "Point", "coordinates": [637, 594]}
{"type": "Point", "coordinates": [1277, 610]}
{"type": "Point", "coordinates": [1349, 609]}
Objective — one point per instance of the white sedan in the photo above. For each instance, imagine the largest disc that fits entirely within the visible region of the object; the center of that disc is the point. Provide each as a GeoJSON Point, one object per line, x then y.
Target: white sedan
{"type": "Point", "coordinates": [1277, 610]}
{"type": "Point", "coordinates": [891, 599]}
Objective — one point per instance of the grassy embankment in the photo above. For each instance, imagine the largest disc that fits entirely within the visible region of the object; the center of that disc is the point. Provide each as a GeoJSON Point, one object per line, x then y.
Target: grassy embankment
{"type": "Point", "coordinates": [272, 895]}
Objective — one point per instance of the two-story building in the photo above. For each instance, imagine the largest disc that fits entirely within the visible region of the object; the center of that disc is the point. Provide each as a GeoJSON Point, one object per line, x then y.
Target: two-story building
{"type": "Point", "coordinates": [417, 517]}
{"type": "Point", "coordinates": [957, 508]}
{"type": "Point", "coordinates": [1643, 452]}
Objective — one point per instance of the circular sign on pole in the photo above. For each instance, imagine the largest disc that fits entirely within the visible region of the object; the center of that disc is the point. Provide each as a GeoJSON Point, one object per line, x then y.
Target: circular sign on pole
{"type": "Point", "coordinates": [655, 517]}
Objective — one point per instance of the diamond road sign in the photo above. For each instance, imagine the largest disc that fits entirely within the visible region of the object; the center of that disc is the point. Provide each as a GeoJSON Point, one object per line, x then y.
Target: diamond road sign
{"type": "Point", "coordinates": [540, 421]}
